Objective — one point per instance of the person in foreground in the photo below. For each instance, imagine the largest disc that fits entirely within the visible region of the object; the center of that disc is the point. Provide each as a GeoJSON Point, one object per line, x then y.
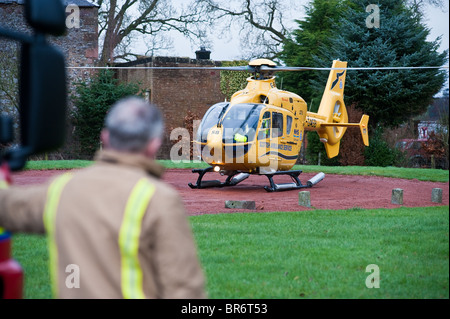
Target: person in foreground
{"type": "Point", "coordinates": [115, 230]}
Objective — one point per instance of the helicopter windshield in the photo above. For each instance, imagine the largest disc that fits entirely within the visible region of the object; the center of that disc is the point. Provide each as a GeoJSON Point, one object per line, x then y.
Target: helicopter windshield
{"type": "Point", "coordinates": [240, 123]}
{"type": "Point", "coordinates": [211, 119]}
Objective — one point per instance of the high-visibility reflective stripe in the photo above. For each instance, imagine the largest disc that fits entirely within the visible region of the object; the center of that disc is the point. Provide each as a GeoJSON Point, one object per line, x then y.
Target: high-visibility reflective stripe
{"type": "Point", "coordinates": [51, 206]}
{"type": "Point", "coordinates": [130, 230]}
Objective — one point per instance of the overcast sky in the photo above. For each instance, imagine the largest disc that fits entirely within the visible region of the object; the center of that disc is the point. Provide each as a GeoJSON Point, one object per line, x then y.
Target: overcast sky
{"type": "Point", "coordinates": [436, 19]}
{"type": "Point", "coordinates": [229, 47]}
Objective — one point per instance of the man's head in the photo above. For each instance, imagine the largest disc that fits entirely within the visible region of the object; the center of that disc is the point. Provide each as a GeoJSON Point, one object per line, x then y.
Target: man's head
{"type": "Point", "coordinates": [133, 126]}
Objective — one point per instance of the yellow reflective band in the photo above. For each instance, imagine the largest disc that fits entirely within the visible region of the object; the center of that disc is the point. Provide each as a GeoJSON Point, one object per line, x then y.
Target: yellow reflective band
{"type": "Point", "coordinates": [51, 206]}
{"type": "Point", "coordinates": [132, 279]}
{"type": "Point", "coordinates": [3, 185]}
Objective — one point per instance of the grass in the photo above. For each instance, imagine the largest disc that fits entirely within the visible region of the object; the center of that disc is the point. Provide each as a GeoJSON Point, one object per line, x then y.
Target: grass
{"type": "Point", "coordinates": [423, 174]}
{"type": "Point", "coordinates": [324, 254]}
{"type": "Point", "coordinates": [63, 164]}
{"type": "Point", "coordinates": [311, 254]}
{"type": "Point", "coordinates": [31, 252]}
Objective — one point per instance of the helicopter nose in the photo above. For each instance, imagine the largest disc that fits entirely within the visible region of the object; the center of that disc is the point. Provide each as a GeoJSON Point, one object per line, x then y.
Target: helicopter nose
{"type": "Point", "coordinates": [214, 146]}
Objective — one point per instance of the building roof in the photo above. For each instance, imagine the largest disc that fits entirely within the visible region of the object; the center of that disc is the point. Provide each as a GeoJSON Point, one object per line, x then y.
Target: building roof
{"type": "Point", "coordinates": [80, 3]}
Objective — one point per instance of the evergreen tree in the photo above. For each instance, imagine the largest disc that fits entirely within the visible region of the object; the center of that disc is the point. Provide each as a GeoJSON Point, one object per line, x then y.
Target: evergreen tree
{"type": "Point", "coordinates": [390, 98]}
{"type": "Point", "coordinates": [92, 101]}
{"type": "Point", "coordinates": [306, 42]}
{"type": "Point", "coordinates": [338, 30]}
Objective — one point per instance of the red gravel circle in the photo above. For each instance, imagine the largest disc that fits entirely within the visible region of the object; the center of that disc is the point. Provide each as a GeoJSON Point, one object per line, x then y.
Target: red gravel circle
{"type": "Point", "coordinates": [334, 192]}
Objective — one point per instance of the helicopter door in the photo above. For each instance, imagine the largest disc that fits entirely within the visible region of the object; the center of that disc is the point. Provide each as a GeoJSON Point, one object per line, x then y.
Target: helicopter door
{"type": "Point", "coordinates": [264, 144]}
{"type": "Point", "coordinates": [288, 138]}
{"type": "Point", "coordinates": [277, 139]}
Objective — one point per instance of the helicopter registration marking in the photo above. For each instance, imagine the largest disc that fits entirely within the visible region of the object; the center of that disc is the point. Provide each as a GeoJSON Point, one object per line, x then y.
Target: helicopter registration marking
{"type": "Point", "coordinates": [281, 147]}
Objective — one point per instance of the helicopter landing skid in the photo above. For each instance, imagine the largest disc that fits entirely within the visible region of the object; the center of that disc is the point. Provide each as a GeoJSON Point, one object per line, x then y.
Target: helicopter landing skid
{"type": "Point", "coordinates": [231, 180]}
{"type": "Point", "coordinates": [296, 184]}
{"type": "Point", "coordinates": [235, 179]}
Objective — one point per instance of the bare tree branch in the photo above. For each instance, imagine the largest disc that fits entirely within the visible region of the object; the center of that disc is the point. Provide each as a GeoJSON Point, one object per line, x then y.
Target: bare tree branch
{"type": "Point", "coordinates": [120, 20]}
{"type": "Point", "coordinates": [418, 6]}
{"type": "Point", "coordinates": [261, 22]}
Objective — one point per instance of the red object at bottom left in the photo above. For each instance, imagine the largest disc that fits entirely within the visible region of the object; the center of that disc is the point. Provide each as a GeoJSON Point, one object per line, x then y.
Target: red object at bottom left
{"type": "Point", "coordinates": [11, 273]}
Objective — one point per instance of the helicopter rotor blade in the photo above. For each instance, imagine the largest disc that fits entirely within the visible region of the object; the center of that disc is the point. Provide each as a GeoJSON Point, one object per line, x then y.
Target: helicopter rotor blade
{"type": "Point", "coordinates": [287, 68]}
{"type": "Point", "coordinates": [260, 69]}
{"type": "Point", "coordinates": [217, 68]}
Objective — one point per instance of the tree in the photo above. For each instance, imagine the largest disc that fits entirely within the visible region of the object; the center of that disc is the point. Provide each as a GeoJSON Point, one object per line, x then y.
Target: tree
{"type": "Point", "coordinates": [418, 6]}
{"type": "Point", "coordinates": [121, 21]}
{"type": "Point", "coordinates": [92, 102]}
{"type": "Point", "coordinates": [314, 32]}
{"type": "Point", "coordinates": [262, 23]}
{"type": "Point", "coordinates": [389, 97]}
{"type": "Point", "coordinates": [338, 30]}
{"type": "Point", "coordinates": [303, 44]}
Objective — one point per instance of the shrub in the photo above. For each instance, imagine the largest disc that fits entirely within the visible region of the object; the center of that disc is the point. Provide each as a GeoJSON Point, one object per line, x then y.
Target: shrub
{"type": "Point", "coordinates": [379, 153]}
{"type": "Point", "coordinates": [92, 102]}
{"type": "Point", "coordinates": [316, 147]}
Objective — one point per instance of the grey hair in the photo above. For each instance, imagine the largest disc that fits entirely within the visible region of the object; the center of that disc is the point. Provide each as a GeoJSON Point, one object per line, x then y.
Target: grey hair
{"type": "Point", "coordinates": [132, 123]}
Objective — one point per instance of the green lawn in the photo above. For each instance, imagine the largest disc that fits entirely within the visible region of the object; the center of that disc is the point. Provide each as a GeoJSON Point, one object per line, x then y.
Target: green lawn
{"type": "Point", "coordinates": [311, 254]}
{"type": "Point", "coordinates": [324, 254]}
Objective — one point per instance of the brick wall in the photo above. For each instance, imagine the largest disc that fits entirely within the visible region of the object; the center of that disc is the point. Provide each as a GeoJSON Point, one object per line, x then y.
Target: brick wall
{"type": "Point", "coordinates": [79, 45]}
{"type": "Point", "coordinates": [176, 92]}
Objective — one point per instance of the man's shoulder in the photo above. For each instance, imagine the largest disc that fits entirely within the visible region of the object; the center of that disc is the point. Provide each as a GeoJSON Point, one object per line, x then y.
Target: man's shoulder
{"type": "Point", "coordinates": [125, 176]}
{"type": "Point", "coordinates": [162, 188]}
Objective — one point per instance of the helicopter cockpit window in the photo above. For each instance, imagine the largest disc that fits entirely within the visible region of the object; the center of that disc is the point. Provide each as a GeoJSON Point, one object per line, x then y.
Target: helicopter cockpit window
{"type": "Point", "coordinates": [240, 123]}
{"type": "Point", "coordinates": [288, 125]}
{"type": "Point", "coordinates": [277, 124]}
{"type": "Point", "coordinates": [211, 118]}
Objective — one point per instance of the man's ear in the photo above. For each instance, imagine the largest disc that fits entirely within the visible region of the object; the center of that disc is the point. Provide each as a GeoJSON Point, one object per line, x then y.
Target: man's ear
{"type": "Point", "coordinates": [153, 147]}
{"type": "Point", "coordinates": [104, 137]}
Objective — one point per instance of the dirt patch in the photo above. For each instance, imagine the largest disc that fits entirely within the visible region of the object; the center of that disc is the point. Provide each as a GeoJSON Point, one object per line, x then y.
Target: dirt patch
{"type": "Point", "coordinates": [334, 192]}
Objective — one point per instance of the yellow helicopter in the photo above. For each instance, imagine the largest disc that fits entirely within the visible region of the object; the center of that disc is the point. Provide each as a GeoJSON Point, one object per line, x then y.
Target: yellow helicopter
{"type": "Point", "coordinates": [261, 129]}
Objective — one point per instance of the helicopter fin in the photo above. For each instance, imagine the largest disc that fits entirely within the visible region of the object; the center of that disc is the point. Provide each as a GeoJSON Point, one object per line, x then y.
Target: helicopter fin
{"type": "Point", "coordinates": [332, 115]}
{"type": "Point", "coordinates": [363, 125]}
{"type": "Point", "coordinates": [332, 110]}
